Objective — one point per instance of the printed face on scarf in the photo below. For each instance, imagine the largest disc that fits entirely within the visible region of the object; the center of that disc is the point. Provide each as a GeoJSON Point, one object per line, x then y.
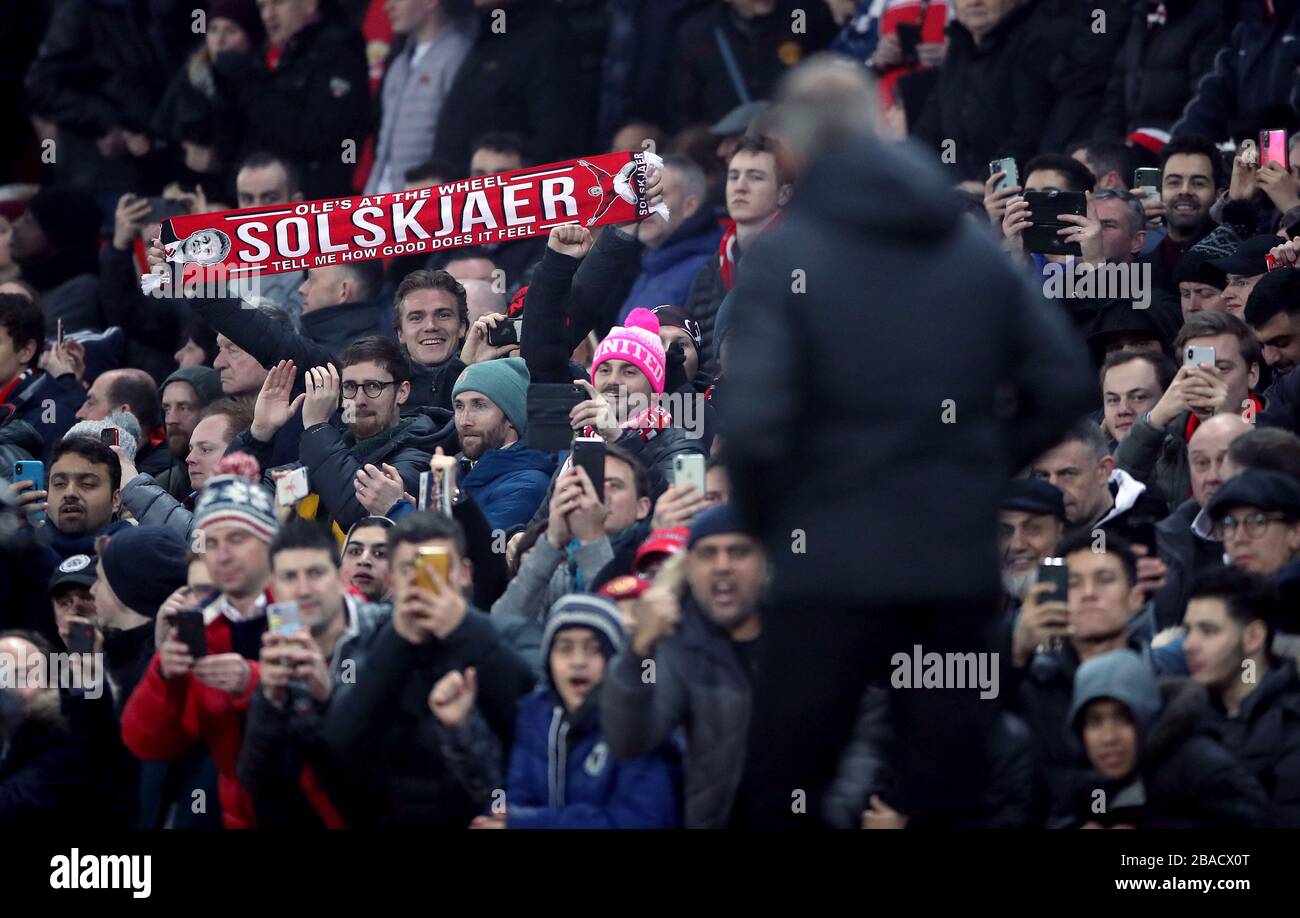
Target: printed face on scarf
{"type": "Point", "coordinates": [82, 499]}
{"type": "Point", "coordinates": [1110, 738]}
{"type": "Point", "coordinates": [1195, 297]}
{"type": "Point", "coordinates": [1215, 645]}
{"type": "Point", "coordinates": [625, 507]}
{"type": "Point", "coordinates": [309, 577]}
{"type": "Point", "coordinates": [1101, 598]}
{"type": "Point", "coordinates": [366, 415]}
{"type": "Point", "coordinates": [365, 561]}
{"type": "Point", "coordinates": [282, 18]}
{"type": "Point", "coordinates": [208, 444]}
{"type": "Point", "coordinates": [237, 560]}
{"type": "Point", "coordinates": [727, 573]}
{"type": "Point", "coordinates": [754, 193]}
{"type": "Point", "coordinates": [619, 380]}
{"type": "Point", "coordinates": [481, 425]}
{"type": "Point", "coordinates": [1082, 477]}
{"type": "Point", "coordinates": [577, 665]}
{"type": "Point", "coordinates": [240, 372]}
{"type": "Point", "coordinates": [429, 325]}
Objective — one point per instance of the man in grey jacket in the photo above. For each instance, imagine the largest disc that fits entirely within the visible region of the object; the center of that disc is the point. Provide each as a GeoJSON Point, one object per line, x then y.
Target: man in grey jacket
{"type": "Point", "coordinates": [691, 664]}
{"type": "Point", "coordinates": [415, 84]}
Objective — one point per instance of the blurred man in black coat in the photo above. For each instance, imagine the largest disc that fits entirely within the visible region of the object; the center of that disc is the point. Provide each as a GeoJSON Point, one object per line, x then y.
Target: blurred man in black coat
{"type": "Point", "coordinates": [893, 400]}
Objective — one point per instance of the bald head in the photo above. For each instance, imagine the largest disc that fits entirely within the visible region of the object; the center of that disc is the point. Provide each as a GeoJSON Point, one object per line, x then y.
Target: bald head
{"type": "Point", "coordinates": [825, 101]}
{"type": "Point", "coordinates": [1207, 453]}
{"type": "Point", "coordinates": [481, 299]}
{"type": "Point", "coordinates": [123, 390]}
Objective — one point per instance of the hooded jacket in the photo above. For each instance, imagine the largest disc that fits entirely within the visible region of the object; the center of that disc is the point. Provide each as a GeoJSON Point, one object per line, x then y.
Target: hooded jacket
{"type": "Point", "coordinates": [878, 466]}
{"type": "Point", "coordinates": [508, 484]}
{"type": "Point", "coordinates": [702, 686]}
{"type": "Point", "coordinates": [1135, 506]}
{"type": "Point", "coordinates": [335, 327]}
{"type": "Point", "coordinates": [1184, 777]}
{"type": "Point", "coordinates": [667, 272]}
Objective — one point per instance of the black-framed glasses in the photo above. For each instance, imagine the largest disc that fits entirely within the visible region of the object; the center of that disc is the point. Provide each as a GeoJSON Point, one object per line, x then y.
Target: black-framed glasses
{"type": "Point", "coordinates": [372, 387]}
{"type": "Point", "coordinates": [1254, 524]}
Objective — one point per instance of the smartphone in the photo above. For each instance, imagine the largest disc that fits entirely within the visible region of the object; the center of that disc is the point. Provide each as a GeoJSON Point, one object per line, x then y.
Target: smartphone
{"type": "Point", "coordinates": [688, 469]}
{"type": "Point", "coordinates": [505, 333]}
{"type": "Point", "coordinates": [1272, 147]}
{"type": "Point", "coordinates": [428, 559]}
{"type": "Point", "coordinates": [1056, 572]}
{"type": "Point", "coordinates": [33, 471]}
{"type": "Point", "coordinates": [909, 36]}
{"type": "Point", "coordinates": [1198, 355]}
{"type": "Point", "coordinates": [1006, 164]}
{"type": "Point", "coordinates": [81, 637]}
{"type": "Point", "coordinates": [191, 632]}
{"type": "Point", "coordinates": [589, 455]}
{"type": "Point", "coordinates": [283, 617]}
{"type": "Point", "coordinates": [1148, 180]}
{"type": "Point", "coordinates": [1144, 533]}
{"type": "Point", "coordinates": [109, 436]}
{"type": "Point", "coordinates": [291, 488]}
{"type": "Point", "coordinates": [1044, 208]}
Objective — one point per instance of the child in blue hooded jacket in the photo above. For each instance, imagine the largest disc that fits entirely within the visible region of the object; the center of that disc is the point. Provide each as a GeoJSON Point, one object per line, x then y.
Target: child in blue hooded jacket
{"type": "Point", "coordinates": [561, 774]}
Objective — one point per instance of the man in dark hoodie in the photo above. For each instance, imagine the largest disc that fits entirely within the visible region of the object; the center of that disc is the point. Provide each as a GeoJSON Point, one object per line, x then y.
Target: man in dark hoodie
{"type": "Point", "coordinates": [1231, 620]}
{"type": "Point", "coordinates": [56, 243]}
{"type": "Point", "coordinates": [26, 391]}
{"type": "Point", "coordinates": [865, 210]}
{"type": "Point", "coordinates": [1152, 763]}
{"type": "Point", "coordinates": [374, 383]}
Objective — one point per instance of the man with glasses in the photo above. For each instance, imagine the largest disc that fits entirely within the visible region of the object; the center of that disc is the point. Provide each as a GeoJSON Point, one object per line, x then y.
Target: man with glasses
{"type": "Point", "coordinates": [1256, 516]}
{"type": "Point", "coordinates": [373, 437]}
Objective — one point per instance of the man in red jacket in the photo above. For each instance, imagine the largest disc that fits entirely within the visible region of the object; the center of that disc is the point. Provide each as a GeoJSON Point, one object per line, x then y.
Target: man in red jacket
{"type": "Point", "coordinates": [182, 701]}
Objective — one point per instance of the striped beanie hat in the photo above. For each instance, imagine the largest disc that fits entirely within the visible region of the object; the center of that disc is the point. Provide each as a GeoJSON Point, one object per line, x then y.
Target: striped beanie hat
{"type": "Point", "coordinates": [234, 500]}
{"type": "Point", "coordinates": [583, 610]}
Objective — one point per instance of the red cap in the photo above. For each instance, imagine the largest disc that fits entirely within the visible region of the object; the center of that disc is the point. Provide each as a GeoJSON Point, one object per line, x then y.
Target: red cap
{"type": "Point", "coordinates": [625, 587]}
{"type": "Point", "coordinates": [660, 542]}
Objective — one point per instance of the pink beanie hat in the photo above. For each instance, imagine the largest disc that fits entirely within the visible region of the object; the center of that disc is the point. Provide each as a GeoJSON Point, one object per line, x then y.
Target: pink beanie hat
{"type": "Point", "coordinates": [637, 342]}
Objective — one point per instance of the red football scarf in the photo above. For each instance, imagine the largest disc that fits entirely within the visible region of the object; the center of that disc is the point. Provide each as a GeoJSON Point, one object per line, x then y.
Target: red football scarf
{"type": "Point", "coordinates": [609, 188]}
{"type": "Point", "coordinates": [727, 250]}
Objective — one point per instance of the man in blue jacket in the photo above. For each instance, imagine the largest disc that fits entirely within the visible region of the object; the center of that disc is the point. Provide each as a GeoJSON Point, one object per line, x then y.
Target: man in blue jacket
{"type": "Point", "coordinates": [505, 478]}
{"type": "Point", "coordinates": [675, 249]}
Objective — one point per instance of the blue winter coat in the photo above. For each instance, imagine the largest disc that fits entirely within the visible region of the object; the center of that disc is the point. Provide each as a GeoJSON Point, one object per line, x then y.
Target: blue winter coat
{"type": "Point", "coordinates": [563, 776]}
{"type": "Point", "coordinates": [509, 484]}
{"type": "Point", "coordinates": [667, 272]}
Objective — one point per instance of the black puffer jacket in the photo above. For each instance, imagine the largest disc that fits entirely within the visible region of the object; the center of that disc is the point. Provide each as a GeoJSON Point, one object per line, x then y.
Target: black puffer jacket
{"type": "Point", "coordinates": [992, 100]}
{"type": "Point", "coordinates": [316, 98]}
{"type": "Point", "coordinates": [1185, 778]}
{"type": "Point", "coordinates": [19, 442]}
{"type": "Point", "coordinates": [1160, 63]}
